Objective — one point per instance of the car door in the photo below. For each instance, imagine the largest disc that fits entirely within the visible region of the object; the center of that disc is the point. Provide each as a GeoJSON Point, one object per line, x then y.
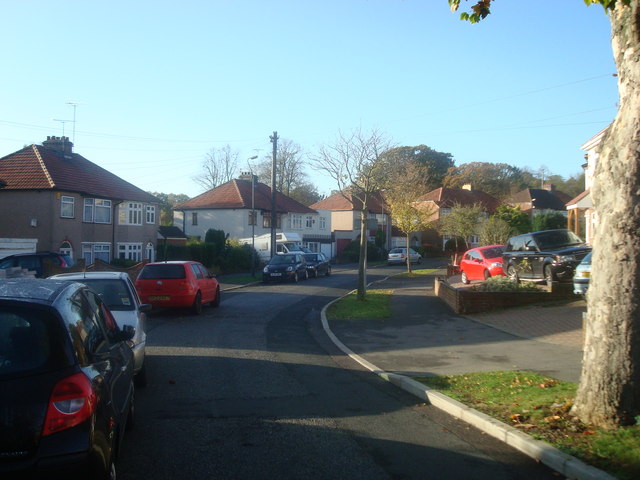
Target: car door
{"type": "Point", "coordinates": [476, 265]}
{"type": "Point", "coordinates": [205, 283]}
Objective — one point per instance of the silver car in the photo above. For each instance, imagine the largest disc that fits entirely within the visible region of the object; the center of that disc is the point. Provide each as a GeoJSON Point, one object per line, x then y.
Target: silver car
{"type": "Point", "coordinates": [119, 294]}
{"type": "Point", "coordinates": [398, 256]}
{"type": "Point", "coordinates": [582, 276]}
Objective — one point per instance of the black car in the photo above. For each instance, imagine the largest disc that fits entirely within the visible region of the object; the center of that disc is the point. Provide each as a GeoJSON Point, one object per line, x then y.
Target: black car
{"type": "Point", "coordinates": [287, 266]}
{"type": "Point", "coordinates": [317, 263]}
{"type": "Point", "coordinates": [66, 377]}
{"type": "Point", "coordinates": [35, 262]}
{"type": "Point", "coordinates": [547, 255]}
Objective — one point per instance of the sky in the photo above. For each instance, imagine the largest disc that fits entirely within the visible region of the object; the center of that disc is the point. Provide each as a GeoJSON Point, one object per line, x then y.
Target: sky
{"type": "Point", "coordinates": [154, 86]}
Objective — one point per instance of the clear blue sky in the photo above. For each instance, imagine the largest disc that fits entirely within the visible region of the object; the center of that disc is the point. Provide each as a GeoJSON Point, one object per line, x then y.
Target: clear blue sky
{"type": "Point", "coordinates": [161, 83]}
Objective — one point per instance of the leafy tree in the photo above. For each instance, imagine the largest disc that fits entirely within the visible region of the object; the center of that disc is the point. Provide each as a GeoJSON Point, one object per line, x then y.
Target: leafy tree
{"type": "Point", "coordinates": [548, 220]}
{"type": "Point", "coordinates": [518, 220]}
{"type": "Point", "coordinates": [353, 161]}
{"type": "Point", "coordinates": [462, 222]}
{"type": "Point", "coordinates": [219, 166]}
{"type": "Point", "coordinates": [609, 390]}
{"type": "Point", "coordinates": [497, 179]}
{"type": "Point", "coordinates": [306, 193]}
{"type": "Point", "coordinates": [434, 165]}
{"type": "Point", "coordinates": [169, 200]}
{"type": "Point", "coordinates": [495, 231]}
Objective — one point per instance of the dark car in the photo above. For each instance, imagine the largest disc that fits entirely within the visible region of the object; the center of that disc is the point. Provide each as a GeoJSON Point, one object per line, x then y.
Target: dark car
{"type": "Point", "coordinates": [317, 264]}
{"type": "Point", "coordinates": [283, 267]}
{"type": "Point", "coordinates": [66, 377]}
{"type": "Point", "coordinates": [481, 263]}
{"type": "Point", "coordinates": [178, 284]}
{"type": "Point", "coordinates": [547, 255]}
{"type": "Point", "coordinates": [35, 262]}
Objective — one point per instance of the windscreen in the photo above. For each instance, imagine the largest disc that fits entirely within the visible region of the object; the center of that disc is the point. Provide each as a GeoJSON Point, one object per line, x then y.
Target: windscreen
{"type": "Point", "coordinates": [166, 271]}
{"type": "Point", "coordinates": [283, 260]}
{"type": "Point", "coordinates": [114, 292]}
{"type": "Point", "coordinates": [556, 239]}
{"type": "Point", "coordinates": [493, 252]}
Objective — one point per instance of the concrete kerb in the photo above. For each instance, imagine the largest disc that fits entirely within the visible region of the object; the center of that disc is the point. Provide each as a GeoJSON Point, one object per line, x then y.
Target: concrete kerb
{"type": "Point", "coordinates": [567, 465]}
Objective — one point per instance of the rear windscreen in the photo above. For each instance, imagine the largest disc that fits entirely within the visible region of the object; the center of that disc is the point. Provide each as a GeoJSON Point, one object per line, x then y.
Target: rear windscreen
{"type": "Point", "coordinates": [29, 341]}
{"type": "Point", "coordinates": [168, 271]}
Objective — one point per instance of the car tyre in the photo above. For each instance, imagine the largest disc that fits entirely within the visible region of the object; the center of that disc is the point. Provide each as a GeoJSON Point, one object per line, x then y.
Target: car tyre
{"type": "Point", "coordinates": [464, 278]}
{"type": "Point", "coordinates": [196, 308]}
{"type": "Point", "coordinates": [306, 274]}
{"type": "Point", "coordinates": [141, 377]}
{"type": "Point", "coordinates": [295, 277]}
{"type": "Point", "coordinates": [216, 302]}
{"type": "Point", "coordinates": [512, 273]}
{"type": "Point", "coordinates": [487, 275]}
{"type": "Point", "coordinates": [315, 273]}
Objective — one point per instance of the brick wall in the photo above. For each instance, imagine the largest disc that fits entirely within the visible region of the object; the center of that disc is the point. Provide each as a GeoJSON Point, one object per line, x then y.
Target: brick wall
{"type": "Point", "coordinates": [467, 301]}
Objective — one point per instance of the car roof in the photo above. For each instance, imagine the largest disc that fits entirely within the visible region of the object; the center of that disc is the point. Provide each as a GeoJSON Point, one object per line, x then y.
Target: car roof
{"type": "Point", "coordinates": [79, 276]}
{"type": "Point", "coordinates": [32, 289]}
{"type": "Point", "coordinates": [172, 262]}
{"type": "Point", "coordinates": [33, 254]}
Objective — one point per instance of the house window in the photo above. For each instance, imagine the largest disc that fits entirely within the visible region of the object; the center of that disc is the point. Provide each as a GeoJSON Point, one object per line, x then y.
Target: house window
{"type": "Point", "coordinates": [151, 214]}
{"type": "Point", "coordinates": [96, 210]}
{"type": "Point", "coordinates": [322, 225]}
{"type": "Point", "coordinates": [313, 246]}
{"type": "Point", "coordinates": [253, 217]}
{"type": "Point", "coordinates": [266, 220]}
{"type": "Point", "coordinates": [130, 251]}
{"type": "Point", "coordinates": [130, 214]}
{"type": "Point", "coordinates": [194, 218]}
{"type": "Point", "coordinates": [308, 221]}
{"type": "Point", "coordinates": [66, 249]}
{"type": "Point", "coordinates": [94, 251]}
{"type": "Point", "coordinates": [296, 222]}
{"type": "Point", "coordinates": [67, 207]}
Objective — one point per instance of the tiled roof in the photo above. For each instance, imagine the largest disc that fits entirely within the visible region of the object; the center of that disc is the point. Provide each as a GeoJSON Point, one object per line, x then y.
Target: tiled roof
{"type": "Point", "coordinates": [171, 232]}
{"type": "Point", "coordinates": [337, 202]}
{"type": "Point", "coordinates": [38, 168]}
{"type": "Point", "coordinates": [541, 198]}
{"type": "Point", "coordinates": [575, 200]}
{"type": "Point", "coordinates": [237, 194]}
{"type": "Point", "coordinates": [449, 197]}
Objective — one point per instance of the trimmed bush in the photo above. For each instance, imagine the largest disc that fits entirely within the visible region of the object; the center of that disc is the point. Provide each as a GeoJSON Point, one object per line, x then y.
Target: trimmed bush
{"type": "Point", "coordinates": [504, 284]}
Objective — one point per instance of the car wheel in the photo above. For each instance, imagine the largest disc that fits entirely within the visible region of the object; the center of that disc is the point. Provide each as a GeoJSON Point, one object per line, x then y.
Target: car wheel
{"type": "Point", "coordinates": [110, 473]}
{"type": "Point", "coordinates": [487, 274]}
{"type": "Point", "coordinates": [419, 261]}
{"type": "Point", "coordinates": [141, 377]}
{"type": "Point", "coordinates": [512, 273]}
{"type": "Point", "coordinates": [196, 308]}
{"type": "Point", "coordinates": [464, 278]}
{"type": "Point", "coordinates": [548, 274]}
{"type": "Point", "coordinates": [216, 301]}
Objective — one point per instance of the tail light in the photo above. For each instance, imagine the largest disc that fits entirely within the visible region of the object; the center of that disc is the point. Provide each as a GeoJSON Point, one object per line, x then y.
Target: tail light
{"type": "Point", "coordinates": [72, 402]}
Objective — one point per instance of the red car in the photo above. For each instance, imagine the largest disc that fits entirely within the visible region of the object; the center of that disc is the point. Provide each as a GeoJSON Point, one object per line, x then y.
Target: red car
{"type": "Point", "coordinates": [178, 284]}
{"type": "Point", "coordinates": [481, 263]}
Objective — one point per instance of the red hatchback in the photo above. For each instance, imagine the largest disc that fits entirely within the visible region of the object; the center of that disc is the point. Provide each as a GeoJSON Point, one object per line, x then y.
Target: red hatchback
{"type": "Point", "coordinates": [178, 284]}
{"type": "Point", "coordinates": [481, 263]}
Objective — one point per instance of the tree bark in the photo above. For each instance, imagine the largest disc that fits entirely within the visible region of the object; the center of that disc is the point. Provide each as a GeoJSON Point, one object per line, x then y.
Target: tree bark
{"type": "Point", "coordinates": [362, 262]}
{"type": "Point", "coordinates": [609, 391]}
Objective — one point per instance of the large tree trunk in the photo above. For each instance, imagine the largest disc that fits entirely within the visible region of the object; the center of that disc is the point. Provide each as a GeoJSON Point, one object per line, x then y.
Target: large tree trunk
{"type": "Point", "coordinates": [609, 392]}
{"type": "Point", "coordinates": [362, 263]}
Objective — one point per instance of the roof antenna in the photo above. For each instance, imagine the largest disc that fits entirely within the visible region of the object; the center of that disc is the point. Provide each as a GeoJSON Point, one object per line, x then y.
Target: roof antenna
{"type": "Point", "coordinates": [74, 105]}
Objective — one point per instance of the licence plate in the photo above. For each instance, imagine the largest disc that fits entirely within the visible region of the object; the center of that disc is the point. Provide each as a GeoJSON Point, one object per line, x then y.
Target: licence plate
{"type": "Point", "coordinates": [159, 297]}
{"type": "Point", "coordinates": [276, 274]}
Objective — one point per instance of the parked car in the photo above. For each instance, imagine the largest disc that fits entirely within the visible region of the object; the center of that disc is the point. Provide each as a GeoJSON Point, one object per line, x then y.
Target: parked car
{"type": "Point", "coordinates": [547, 255]}
{"type": "Point", "coordinates": [66, 376]}
{"type": "Point", "coordinates": [287, 266]}
{"type": "Point", "coordinates": [317, 263]}
{"type": "Point", "coordinates": [178, 284]}
{"type": "Point", "coordinates": [582, 276]}
{"type": "Point", "coordinates": [398, 256]}
{"type": "Point", "coordinates": [481, 263]}
{"type": "Point", "coordinates": [35, 261]}
{"type": "Point", "coordinates": [117, 291]}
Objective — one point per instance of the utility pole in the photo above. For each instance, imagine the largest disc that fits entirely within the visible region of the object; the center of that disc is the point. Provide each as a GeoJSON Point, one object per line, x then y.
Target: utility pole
{"type": "Point", "coordinates": [274, 140]}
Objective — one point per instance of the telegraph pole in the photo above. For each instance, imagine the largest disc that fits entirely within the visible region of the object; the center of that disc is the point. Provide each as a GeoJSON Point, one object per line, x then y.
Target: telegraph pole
{"type": "Point", "coordinates": [274, 140]}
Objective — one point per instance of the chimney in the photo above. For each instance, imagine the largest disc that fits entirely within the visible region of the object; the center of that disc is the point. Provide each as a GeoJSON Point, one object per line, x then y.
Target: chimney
{"type": "Point", "coordinates": [247, 176]}
{"type": "Point", "coordinates": [549, 186]}
{"type": "Point", "coordinates": [466, 186]}
{"type": "Point", "coordinates": [59, 144]}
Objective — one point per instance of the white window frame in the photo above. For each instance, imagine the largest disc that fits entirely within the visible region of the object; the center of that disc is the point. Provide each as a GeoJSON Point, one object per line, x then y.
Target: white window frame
{"type": "Point", "coordinates": [67, 202]}
{"type": "Point", "coordinates": [150, 216]}
{"type": "Point", "coordinates": [91, 251]}
{"type": "Point", "coordinates": [130, 213]}
{"type": "Point", "coordinates": [296, 222]}
{"type": "Point", "coordinates": [322, 223]}
{"type": "Point", "coordinates": [308, 222]}
{"type": "Point", "coordinates": [150, 252]}
{"type": "Point", "coordinates": [96, 210]}
{"type": "Point", "coordinates": [130, 251]}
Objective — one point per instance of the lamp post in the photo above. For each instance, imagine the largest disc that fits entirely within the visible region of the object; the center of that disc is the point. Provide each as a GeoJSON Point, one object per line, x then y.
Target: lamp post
{"type": "Point", "coordinates": [253, 218]}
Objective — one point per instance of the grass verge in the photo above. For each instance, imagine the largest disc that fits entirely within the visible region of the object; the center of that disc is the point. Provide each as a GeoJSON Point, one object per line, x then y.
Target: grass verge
{"type": "Point", "coordinates": [375, 305]}
{"type": "Point", "coordinates": [419, 272]}
{"type": "Point", "coordinates": [540, 406]}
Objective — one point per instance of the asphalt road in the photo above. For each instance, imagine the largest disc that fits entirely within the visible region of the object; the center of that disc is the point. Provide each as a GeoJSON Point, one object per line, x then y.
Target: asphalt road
{"type": "Point", "coordinates": [255, 390]}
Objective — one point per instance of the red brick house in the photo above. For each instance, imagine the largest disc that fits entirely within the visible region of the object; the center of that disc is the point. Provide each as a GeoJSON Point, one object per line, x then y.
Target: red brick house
{"type": "Point", "coordinates": [66, 203]}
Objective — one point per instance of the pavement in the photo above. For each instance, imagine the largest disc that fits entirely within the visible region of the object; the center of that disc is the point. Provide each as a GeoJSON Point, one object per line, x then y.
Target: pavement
{"type": "Point", "coordinates": [425, 337]}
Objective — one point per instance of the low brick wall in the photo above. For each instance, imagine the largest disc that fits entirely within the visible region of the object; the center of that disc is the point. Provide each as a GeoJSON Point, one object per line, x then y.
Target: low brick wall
{"type": "Point", "coordinates": [468, 301]}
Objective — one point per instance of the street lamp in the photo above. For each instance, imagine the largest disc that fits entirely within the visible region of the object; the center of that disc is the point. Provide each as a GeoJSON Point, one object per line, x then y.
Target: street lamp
{"type": "Point", "coordinates": [253, 218]}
